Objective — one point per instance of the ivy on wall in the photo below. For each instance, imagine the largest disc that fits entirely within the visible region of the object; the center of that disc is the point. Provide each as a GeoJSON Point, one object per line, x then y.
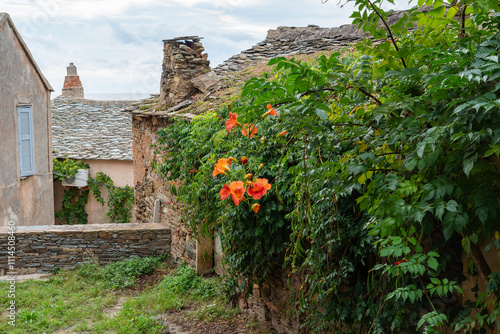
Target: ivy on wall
{"type": "Point", "coordinates": [120, 200]}
{"type": "Point", "coordinates": [73, 207]}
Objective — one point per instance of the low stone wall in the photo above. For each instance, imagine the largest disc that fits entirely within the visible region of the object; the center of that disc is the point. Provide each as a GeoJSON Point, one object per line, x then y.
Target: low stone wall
{"type": "Point", "coordinates": [41, 249]}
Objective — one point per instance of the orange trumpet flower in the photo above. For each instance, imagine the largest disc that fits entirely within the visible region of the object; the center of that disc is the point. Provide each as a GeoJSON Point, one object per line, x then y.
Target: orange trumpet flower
{"type": "Point", "coordinates": [271, 111]}
{"type": "Point", "coordinates": [258, 188]}
{"type": "Point", "coordinates": [235, 189]}
{"type": "Point", "coordinates": [232, 121]}
{"type": "Point", "coordinates": [221, 166]}
{"type": "Point", "coordinates": [247, 127]}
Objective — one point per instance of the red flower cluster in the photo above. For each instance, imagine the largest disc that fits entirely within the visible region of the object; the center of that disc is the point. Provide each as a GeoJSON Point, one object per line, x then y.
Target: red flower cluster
{"type": "Point", "coordinates": [256, 189]}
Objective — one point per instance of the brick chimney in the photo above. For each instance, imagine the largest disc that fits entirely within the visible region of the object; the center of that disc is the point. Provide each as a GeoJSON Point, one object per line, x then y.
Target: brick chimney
{"type": "Point", "coordinates": [183, 60]}
{"type": "Point", "coordinates": [72, 84]}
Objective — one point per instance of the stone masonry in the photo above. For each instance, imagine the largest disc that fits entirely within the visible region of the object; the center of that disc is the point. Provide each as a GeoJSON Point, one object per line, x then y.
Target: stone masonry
{"type": "Point", "coordinates": [41, 249]}
{"type": "Point", "coordinates": [183, 60]}
{"type": "Point", "coordinates": [72, 84]}
{"type": "Point", "coordinates": [152, 189]}
{"type": "Point", "coordinates": [88, 129]}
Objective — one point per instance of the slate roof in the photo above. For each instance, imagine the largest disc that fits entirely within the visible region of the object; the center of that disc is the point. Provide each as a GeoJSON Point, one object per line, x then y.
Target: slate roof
{"type": "Point", "coordinates": [92, 130]}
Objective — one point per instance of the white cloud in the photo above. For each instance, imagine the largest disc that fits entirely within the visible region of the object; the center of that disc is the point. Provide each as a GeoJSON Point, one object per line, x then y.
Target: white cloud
{"type": "Point", "coordinates": [117, 44]}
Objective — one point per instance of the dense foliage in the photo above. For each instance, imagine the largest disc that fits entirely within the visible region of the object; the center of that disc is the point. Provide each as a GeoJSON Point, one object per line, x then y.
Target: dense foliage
{"type": "Point", "coordinates": [73, 207]}
{"type": "Point", "coordinates": [67, 168]}
{"type": "Point", "coordinates": [383, 165]}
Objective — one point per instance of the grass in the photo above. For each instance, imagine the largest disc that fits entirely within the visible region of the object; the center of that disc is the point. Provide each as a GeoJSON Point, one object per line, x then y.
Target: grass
{"type": "Point", "coordinates": [56, 303]}
{"type": "Point", "coordinates": [79, 299]}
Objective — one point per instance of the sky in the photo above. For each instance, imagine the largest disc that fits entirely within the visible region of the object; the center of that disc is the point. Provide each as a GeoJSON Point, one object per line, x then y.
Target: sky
{"type": "Point", "coordinates": [117, 44]}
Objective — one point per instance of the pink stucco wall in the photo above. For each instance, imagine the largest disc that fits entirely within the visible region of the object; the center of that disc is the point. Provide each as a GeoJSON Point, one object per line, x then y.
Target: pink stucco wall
{"type": "Point", "coordinates": [122, 174]}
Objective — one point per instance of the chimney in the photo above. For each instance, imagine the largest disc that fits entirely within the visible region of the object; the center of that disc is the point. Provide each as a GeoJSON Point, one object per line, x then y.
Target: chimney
{"type": "Point", "coordinates": [183, 60]}
{"type": "Point", "coordinates": [72, 85]}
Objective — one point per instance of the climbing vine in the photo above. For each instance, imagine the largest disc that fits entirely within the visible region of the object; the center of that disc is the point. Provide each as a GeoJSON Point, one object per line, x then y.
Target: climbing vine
{"type": "Point", "coordinates": [120, 200]}
{"type": "Point", "coordinates": [383, 166]}
{"type": "Point", "coordinates": [67, 168]}
{"type": "Point", "coordinates": [73, 207]}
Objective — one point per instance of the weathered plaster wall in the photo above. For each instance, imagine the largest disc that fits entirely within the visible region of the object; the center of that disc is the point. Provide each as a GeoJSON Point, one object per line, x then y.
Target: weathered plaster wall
{"type": "Point", "coordinates": [150, 187]}
{"type": "Point", "coordinates": [122, 174]}
{"type": "Point", "coordinates": [43, 248]}
{"type": "Point", "coordinates": [27, 201]}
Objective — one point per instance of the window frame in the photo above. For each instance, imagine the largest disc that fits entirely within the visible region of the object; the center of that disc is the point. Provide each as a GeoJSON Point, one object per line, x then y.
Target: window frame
{"type": "Point", "coordinates": [24, 172]}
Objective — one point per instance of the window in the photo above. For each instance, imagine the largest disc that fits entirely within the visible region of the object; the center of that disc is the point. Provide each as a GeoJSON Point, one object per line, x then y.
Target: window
{"type": "Point", "coordinates": [25, 131]}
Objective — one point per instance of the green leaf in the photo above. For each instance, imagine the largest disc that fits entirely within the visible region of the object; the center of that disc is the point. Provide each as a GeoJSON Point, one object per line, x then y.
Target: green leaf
{"type": "Point", "coordinates": [321, 114]}
{"type": "Point", "coordinates": [468, 164]}
{"type": "Point", "coordinates": [452, 206]}
{"type": "Point", "coordinates": [432, 263]}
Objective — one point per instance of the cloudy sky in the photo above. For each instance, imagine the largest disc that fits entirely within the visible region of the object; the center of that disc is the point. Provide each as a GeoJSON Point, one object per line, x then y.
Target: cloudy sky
{"type": "Point", "coordinates": [117, 44]}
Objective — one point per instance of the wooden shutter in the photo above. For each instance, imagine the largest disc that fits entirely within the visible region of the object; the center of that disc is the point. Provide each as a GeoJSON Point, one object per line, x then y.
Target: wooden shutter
{"type": "Point", "coordinates": [25, 131]}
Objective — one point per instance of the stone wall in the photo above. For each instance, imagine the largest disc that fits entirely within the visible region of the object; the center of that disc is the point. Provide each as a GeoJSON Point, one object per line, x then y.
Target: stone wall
{"type": "Point", "coordinates": [152, 188]}
{"type": "Point", "coordinates": [44, 248]}
{"type": "Point", "coordinates": [183, 60]}
{"type": "Point", "coordinates": [270, 300]}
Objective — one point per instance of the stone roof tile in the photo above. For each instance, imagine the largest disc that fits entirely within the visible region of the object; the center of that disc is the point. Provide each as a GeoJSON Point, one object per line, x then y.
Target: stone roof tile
{"type": "Point", "coordinates": [93, 130]}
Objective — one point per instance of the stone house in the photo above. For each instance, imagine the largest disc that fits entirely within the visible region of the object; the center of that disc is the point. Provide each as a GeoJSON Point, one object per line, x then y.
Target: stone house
{"type": "Point", "coordinates": [26, 193]}
{"type": "Point", "coordinates": [183, 66]}
{"type": "Point", "coordinates": [96, 132]}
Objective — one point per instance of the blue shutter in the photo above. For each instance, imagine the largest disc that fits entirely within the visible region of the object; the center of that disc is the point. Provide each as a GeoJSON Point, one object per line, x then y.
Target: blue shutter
{"type": "Point", "coordinates": [25, 131]}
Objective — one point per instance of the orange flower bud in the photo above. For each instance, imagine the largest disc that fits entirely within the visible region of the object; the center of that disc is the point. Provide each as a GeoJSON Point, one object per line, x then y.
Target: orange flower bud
{"type": "Point", "coordinates": [282, 133]}
{"type": "Point", "coordinates": [248, 176]}
{"type": "Point", "coordinates": [244, 160]}
{"type": "Point", "coordinates": [256, 207]}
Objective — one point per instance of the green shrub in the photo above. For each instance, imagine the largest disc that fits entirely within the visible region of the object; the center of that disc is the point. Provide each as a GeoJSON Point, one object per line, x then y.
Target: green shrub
{"type": "Point", "coordinates": [121, 274]}
{"type": "Point", "coordinates": [184, 280]}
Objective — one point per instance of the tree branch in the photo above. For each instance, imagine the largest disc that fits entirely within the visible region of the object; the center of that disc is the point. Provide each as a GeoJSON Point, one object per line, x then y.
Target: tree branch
{"type": "Point", "coordinates": [462, 25]}
{"type": "Point", "coordinates": [388, 31]}
{"type": "Point", "coordinates": [358, 124]}
{"type": "Point", "coordinates": [370, 96]}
